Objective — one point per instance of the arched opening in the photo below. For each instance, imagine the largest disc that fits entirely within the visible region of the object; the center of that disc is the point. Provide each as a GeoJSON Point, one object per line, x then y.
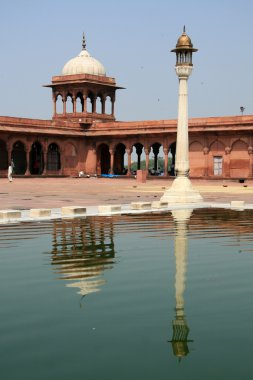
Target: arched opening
{"type": "Point", "coordinates": [53, 158]}
{"type": "Point", "coordinates": [172, 159]}
{"type": "Point", "coordinates": [90, 103]}
{"type": "Point", "coordinates": [18, 155]}
{"type": "Point", "coordinates": [99, 106]}
{"type": "Point", "coordinates": [79, 102]}
{"type": "Point", "coordinates": [156, 163]}
{"type": "Point", "coordinates": [120, 157]}
{"type": "Point", "coordinates": [103, 159]}
{"type": "Point", "coordinates": [69, 104]}
{"type": "Point", "coordinates": [3, 156]}
{"type": "Point", "coordinates": [138, 158]}
{"type": "Point", "coordinates": [59, 104]}
{"type": "Point", "coordinates": [36, 161]}
{"type": "Point", "coordinates": [108, 105]}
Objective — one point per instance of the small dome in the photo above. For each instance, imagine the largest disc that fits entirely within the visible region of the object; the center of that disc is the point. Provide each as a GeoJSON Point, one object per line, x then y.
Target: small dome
{"type": "Point", "coordinates": [84, 63]}
{"type": "Point", "coordinates": [184, 41]}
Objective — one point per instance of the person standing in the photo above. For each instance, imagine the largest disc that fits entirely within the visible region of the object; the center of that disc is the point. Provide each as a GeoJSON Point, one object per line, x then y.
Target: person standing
{"type": "Point", "coordinates": [10, 171]}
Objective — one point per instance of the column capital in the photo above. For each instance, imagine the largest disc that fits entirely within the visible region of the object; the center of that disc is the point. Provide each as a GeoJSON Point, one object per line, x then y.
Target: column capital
{"type": "Point", "coordinates": [205, 150]}
{"type": "Point", "coordinates": [227, 150]}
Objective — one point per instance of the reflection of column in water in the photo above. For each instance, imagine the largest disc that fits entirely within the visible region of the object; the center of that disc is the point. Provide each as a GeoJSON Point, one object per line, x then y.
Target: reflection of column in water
{"type": "Point", "coordinates": [82, 250]}
{"type": "Point", "coordinates": [180, 328]}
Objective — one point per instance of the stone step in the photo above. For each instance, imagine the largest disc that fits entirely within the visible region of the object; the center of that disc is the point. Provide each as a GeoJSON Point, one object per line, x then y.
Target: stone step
{"type": "Point", "coordinates": [159, 204]}
{"type": "Point", "coordinates": [39, 212]}
{"type": "Point", "coordinates": [10, 214]}
{"type": "Point", "coordinates": [140, 205]}
{"type": "Point", "coordinates": [237, 204]}
{"type": "Point", "coordinates": [73, 210]}
{"type": "Point", "coordinates": [108, 208]}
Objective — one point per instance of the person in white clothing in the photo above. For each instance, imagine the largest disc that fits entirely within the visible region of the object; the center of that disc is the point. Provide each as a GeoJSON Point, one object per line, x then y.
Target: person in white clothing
{"type": "Point", "coordinates": [10, 171]}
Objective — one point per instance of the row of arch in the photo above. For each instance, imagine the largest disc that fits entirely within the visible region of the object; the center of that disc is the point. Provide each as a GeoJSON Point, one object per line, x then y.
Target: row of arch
{"type": "Point", "coordinates": [236, 159]}
{"type": "Point", "coordinates": [80, 103]}
{"type": "Point", "coordinates": [124, 159]}
{"type": "Point", "coordinates": [36, 161]}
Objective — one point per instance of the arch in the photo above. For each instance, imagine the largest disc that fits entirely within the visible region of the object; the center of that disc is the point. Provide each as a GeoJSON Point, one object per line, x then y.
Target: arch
{"type": "Point", "coordinates": [36, 160]}
{"type": "Point", "coordinates": [90, 102]}
{"type": "Point", "coordinates": [3, 155]}
{"type": "Point", "coordinates": [103, 159]}
{"type": "Point", "coordinates": [69, 104]}
{"type": "Point", "coordinates": [217, 147]}
{"type": "Point", "coordinates": [239, 160]}
{"type": "Point", "coordinates": [120, 159]}
{"type": "Point", "coordinates": [18, 155]}
{"type": "Point", "coordinates": [70, 154]}
{"type": "Point", "coordinates": [59, 104]}
{"type": "Point", "coordinates": [79, 102]}
{"type": "Point", "coordinates": [99, 106]}
{"type": "Point", "coordinates": [53, 157]}
{"type": "Point", "coordinates": [196, 161]}
{"type": "Point", "coordinates": [156, 165]}
{"type": "Point", "coordinates": [138, 158]}
{"type": "Point", "coordinates": [108, 105]}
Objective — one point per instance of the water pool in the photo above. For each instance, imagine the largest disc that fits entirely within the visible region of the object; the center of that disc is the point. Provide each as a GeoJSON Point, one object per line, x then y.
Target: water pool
{"type": "Point", "coordinates": [147, 296]}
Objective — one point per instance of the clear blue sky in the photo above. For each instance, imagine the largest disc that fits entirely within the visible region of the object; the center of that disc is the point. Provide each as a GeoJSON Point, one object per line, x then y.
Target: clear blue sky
{"type": "Point", "coordinates": [133, 40]}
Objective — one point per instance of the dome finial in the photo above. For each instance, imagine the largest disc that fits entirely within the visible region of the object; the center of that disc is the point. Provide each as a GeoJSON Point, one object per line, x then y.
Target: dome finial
{"type": "Point", "coordinates": [84, 42]}
{"type": "Point", "coordinates": [184, 29]}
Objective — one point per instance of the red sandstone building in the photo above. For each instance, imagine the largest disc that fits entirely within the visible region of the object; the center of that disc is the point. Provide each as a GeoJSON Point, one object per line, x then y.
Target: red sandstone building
{"type": "Point", "coordinates": [83, 134]}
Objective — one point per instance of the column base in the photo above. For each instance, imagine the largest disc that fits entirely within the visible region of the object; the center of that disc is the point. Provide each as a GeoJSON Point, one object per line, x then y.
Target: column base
{"type": "Point", "coordinates": [181, 191]}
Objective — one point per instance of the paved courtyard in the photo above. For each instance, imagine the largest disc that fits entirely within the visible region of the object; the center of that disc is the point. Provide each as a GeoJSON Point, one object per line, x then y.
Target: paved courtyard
{"type": "Point", "coordinates": [26, 193]}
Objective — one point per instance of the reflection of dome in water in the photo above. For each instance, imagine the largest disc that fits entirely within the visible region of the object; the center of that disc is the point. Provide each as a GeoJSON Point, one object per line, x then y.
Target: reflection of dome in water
{"type": "Point", "coordinates": [84, 63]}
{"type": "Point", "coordinates": [87, 286]}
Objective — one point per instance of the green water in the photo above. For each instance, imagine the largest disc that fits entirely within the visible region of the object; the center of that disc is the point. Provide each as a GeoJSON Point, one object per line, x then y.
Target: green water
{"type": "Point", "coordinates": [130, 297]}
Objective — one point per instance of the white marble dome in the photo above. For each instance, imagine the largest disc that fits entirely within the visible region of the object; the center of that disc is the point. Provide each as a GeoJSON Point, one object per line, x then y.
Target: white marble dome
{"type": "Point", "coordinates": [84, 63]}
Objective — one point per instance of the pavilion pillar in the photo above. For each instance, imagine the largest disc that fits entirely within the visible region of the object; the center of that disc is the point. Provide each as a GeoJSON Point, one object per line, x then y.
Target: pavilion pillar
{"type": "Point", "coordinates": [64, 106]}
{"type": "Point", "coordinates": [84, 105]}
{"type": "Point", "coordinates": [129, 152]}
{"type": "Point", "coordinates": [147, 151]}
{"type": "Point", "coordinates": [74, 104]}
{"type": "Point", "coordinates": [94, 105]}
{"type": "Point", "coordinates": [165, 169]}
{"type": "Point", "coordinates": [111, 161]}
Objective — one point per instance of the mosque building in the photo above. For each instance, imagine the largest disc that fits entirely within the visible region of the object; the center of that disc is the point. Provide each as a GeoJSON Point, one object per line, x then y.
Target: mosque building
{"type": "Point", "coordinates": [84, 136]}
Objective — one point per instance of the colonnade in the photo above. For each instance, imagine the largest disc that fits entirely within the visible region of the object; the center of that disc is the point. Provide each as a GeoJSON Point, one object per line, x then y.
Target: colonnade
{"type": "Point", "coordinates": [83, 100]}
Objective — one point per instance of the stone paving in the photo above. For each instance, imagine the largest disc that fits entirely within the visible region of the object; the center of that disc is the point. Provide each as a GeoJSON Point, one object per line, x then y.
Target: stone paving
{"type": "Point", "coordinates": [54, 193]}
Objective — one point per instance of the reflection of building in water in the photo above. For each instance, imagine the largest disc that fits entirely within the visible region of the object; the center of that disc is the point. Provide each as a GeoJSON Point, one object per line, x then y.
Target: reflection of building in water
{"type": "Point", "coordinates": [180, 328]}
{"type": "Point", "coordinates": [82, 250]}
